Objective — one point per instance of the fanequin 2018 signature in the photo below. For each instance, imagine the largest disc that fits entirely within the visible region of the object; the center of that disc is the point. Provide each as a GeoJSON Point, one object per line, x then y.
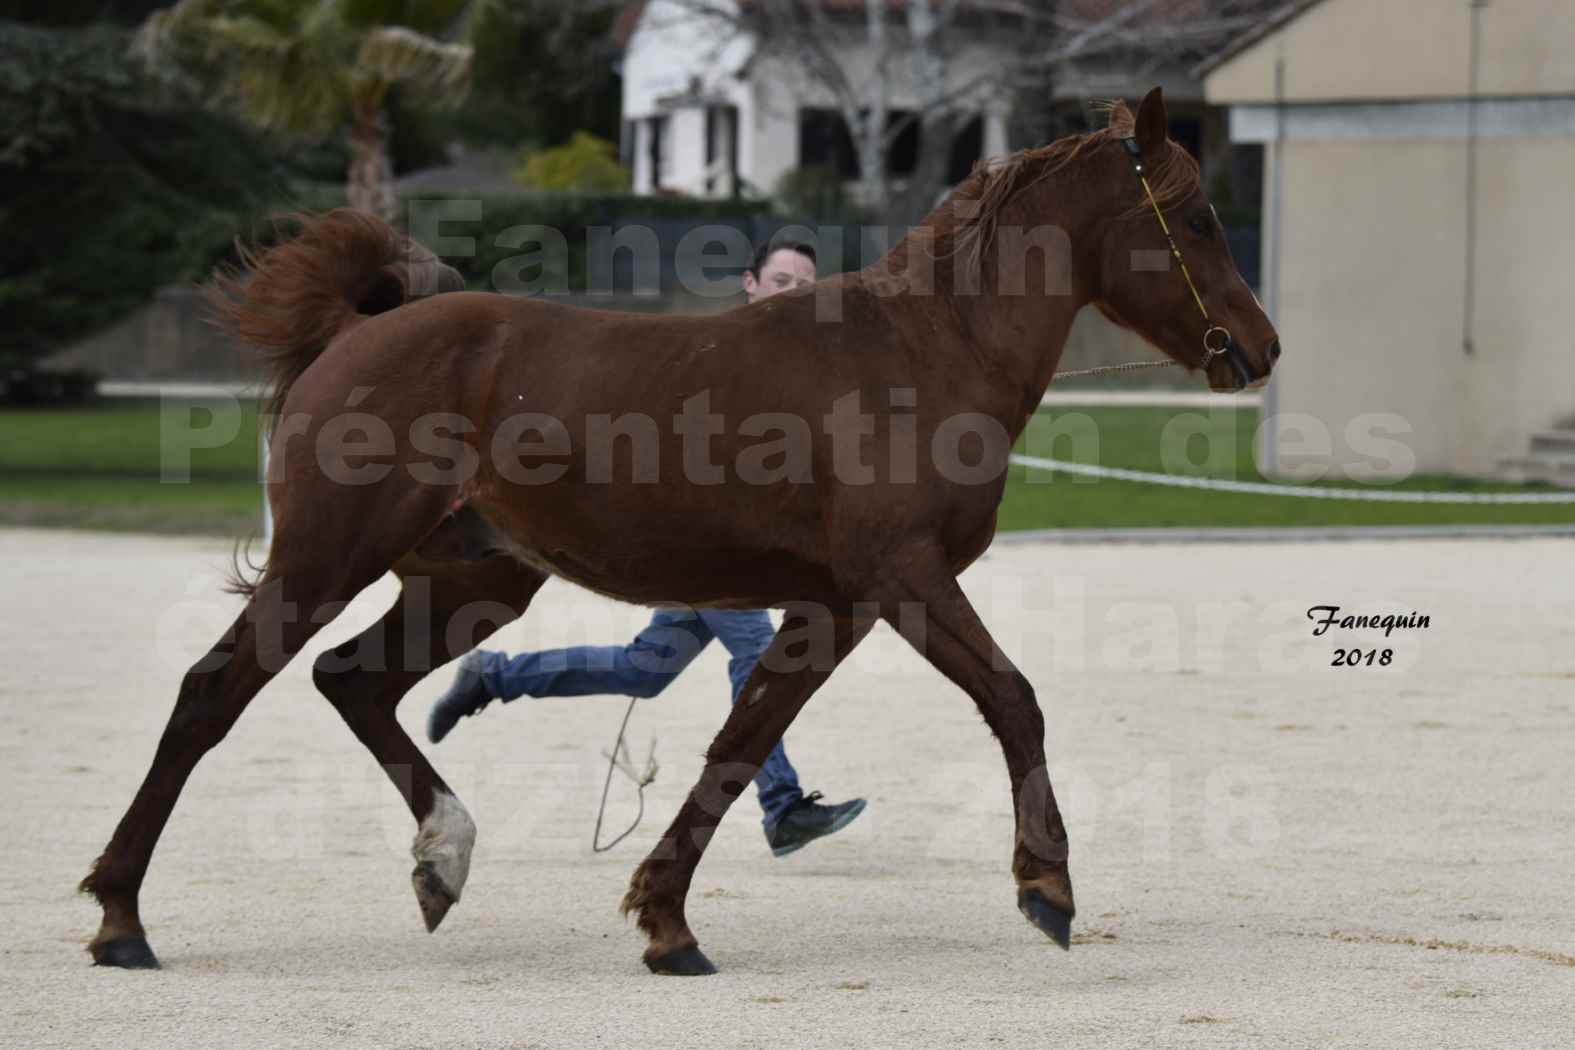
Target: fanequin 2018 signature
{"type": "Point", "coordinates": [1327, 616]}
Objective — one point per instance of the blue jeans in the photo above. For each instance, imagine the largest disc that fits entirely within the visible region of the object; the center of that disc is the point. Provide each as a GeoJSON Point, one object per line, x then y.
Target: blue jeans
{"type": "Point", "coordinates": [645, 667]}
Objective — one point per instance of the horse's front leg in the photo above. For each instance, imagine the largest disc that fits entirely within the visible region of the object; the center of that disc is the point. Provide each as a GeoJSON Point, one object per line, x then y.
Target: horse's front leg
{"type": "Point", "coordinates": [803, 654]}
{"type": "Point", "coordinates": [954, 640]}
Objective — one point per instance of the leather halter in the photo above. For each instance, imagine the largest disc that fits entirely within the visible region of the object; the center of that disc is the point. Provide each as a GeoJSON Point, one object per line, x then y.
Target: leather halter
{"type": "Point", "coordinates": [1217, 339]}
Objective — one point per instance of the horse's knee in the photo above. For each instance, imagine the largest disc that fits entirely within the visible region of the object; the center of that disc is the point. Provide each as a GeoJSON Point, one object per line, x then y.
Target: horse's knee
{"type": "Point", "coordinates": [334, 681]}
{"type": "Point", "coordinates": [1020, 694]}
{"type": "Point", "coordinates": [1011, 710]}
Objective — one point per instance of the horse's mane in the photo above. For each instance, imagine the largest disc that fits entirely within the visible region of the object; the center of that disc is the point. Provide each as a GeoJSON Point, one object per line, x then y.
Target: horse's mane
{"type": "Point", "coordinates": [965, 224]}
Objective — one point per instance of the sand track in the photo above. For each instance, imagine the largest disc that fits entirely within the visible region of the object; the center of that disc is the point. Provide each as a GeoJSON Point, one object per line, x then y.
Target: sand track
{"type": "Point", "coordinates": [1267, 850]}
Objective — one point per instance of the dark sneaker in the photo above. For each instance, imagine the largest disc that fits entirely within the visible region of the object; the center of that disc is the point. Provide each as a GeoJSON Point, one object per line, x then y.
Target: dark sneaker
{"type": "Point", "coordinates": [808, 821]}
{"type": "Point", "coordinates": [466, 696]}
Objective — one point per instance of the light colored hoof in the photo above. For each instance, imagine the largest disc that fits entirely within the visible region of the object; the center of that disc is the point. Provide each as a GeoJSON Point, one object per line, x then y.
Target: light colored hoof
{"type": "Point", "coordinates": [442, 851]}
{"type": "Point", "coordinates": [432, 894]}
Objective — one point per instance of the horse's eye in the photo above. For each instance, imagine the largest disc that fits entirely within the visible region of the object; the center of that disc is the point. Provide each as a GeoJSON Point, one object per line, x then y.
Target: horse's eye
{"type": "Point", "coordinates": [1199, 226]}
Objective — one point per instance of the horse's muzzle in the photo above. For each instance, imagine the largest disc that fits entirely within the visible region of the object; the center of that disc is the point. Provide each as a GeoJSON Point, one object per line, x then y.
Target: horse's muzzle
{"type": "Point", "coordinates": [1241, 367]}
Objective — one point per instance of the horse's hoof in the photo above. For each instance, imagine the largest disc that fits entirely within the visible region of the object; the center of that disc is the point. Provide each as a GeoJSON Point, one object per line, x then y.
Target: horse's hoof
{"type": "Point", "coordinates": [1057, 924]}
{"type": "Point", "coordinates": [685, 962]}
{"type": "Point", "coordinates": [432, 894]}
{"type": "Point", "coordinates": [128, 953]}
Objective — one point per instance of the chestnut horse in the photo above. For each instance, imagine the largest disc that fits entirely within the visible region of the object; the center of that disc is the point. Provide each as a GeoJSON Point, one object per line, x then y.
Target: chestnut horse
{"type": "Point", "coordinates": [946, 345]}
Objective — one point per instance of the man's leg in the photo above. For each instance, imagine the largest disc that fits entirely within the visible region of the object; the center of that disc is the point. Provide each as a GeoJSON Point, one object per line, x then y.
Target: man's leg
{"type": "Point", "coordinates": [746, 633]}
{"type": "Point", "coordinates": [644, 667]}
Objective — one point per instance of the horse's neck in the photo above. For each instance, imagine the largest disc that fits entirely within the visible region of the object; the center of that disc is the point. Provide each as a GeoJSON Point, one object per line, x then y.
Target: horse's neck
{"type": "Point", "coordinates": [1014, 334]}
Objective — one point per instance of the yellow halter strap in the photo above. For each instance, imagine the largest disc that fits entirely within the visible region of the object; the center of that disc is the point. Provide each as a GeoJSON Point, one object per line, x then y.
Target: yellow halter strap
{"type": "Point", "coordinates": [1209, 352]}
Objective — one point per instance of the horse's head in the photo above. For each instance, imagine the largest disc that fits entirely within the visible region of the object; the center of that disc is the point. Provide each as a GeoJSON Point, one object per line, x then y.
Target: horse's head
{"type": "Point", "coordinates": [1185, 297]}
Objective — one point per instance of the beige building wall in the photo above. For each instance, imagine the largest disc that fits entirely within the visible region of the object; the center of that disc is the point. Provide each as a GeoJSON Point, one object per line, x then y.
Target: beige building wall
{"type": "Point", "coordinates": [1370, 157]}
{"type": "Point", "coordinates": [1521, 378]}
{"type": "Point", "coordinates": [1369, 305]}
{"type": "Point", "coordinates": [1406, 49]}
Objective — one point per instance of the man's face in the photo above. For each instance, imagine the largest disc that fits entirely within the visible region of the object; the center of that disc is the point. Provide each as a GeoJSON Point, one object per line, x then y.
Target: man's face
{"type": "Point", "coordinates": [782, 270]}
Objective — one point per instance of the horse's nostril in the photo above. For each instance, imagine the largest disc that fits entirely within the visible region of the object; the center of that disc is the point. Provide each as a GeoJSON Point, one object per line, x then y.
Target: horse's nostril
{"type": "Point", "coordinates": [1274, 351]}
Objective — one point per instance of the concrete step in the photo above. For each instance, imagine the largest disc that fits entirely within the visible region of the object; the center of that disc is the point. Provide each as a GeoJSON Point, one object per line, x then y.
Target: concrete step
{"type": "Point", "coordinates": [1560, 441]}
{"type": "Point", "coordinates": [1546, 469]}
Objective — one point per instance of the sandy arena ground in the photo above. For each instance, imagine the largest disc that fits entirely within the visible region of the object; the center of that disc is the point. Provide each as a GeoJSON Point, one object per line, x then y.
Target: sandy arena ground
{"type": "Point", "coordinates": [1268, 851]}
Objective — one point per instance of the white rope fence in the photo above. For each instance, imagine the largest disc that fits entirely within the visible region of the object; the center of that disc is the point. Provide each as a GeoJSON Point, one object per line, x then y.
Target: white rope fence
{"type": "Point", "coordinates": [1258, 488]}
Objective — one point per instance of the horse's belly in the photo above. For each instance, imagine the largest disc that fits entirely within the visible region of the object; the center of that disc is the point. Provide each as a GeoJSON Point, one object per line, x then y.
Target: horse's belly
{"type": "Point", "coordinates": [722, 579]}
{"type": "Point", "coordinates": [659, 566]}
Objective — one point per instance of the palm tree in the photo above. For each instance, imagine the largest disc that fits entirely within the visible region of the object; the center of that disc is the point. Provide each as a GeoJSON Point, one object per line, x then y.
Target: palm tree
{"type": "Point", "coordinates": [312, 68]}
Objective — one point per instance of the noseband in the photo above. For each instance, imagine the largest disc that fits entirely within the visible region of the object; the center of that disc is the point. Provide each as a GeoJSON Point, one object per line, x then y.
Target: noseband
{"type": "Point", "coordinates": [1217, 340]}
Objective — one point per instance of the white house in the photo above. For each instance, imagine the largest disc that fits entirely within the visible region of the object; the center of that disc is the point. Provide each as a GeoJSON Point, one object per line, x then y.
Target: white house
{"type": "Point", "coordinates": [703, 110]}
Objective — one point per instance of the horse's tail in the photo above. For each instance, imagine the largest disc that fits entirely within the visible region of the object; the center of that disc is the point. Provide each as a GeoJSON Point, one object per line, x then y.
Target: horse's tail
{"type": "Point", "coordinates": [289, 301]}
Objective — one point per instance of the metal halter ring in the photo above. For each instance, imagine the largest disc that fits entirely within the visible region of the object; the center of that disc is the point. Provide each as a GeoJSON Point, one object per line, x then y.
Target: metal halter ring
{"type": "Point", "coordinates": [1211, 352]}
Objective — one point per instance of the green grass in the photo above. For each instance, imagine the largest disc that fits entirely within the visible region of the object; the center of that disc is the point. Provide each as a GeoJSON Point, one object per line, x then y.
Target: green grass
{"type": "Point", "coordinates": [1168, 441]}
{"type": "Point", "coordinates": [104, 467]}
{"type": "Point", "coordinates": [204, 507]}
{"type": "Point", "coordinates": [131, 438]}
{"type": "Point", "coordinates": [101, 468]}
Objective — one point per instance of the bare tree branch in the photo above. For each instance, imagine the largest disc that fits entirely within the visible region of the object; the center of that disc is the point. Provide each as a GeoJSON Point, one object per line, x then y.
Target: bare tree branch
{"type": "Point", "coordinates": [853, 59]}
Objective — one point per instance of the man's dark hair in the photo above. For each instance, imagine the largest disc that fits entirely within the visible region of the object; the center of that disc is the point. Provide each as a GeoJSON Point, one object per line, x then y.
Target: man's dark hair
{"type": "Point", "coordinates": [770, 248]}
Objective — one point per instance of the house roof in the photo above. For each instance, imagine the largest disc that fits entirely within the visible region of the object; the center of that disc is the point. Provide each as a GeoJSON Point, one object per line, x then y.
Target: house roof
{"type": "Point", "coordinates": [1288, 12]}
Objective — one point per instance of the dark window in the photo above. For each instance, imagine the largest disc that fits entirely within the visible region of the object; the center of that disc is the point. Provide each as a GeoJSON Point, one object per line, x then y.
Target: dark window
{"type": "Point", "coordinates": [903, 154]}
{"type": "Point", "coordinates": [731, 113]}
{"type": "Point", "coordinates": [967, 148]}
{"type": "Point", "coordinates": [1188, 131]}
{"type": "Point", "coordinates": [1246, 176]}
{"type": "Point", "coordinates": [824, 142]}
{"type": "Point", "coordinates": [658, 134]}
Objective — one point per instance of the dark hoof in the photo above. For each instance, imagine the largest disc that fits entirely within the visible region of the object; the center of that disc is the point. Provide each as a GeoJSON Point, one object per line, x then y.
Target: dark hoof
{"type": "Point", "coordinates": [128, 953]}
{"type": "Point", "coordinates": [685, 962]}
{"type": "Point", "coordinates": [432, 894]}
{"type": "Point", "coordinates": [1039, 911]}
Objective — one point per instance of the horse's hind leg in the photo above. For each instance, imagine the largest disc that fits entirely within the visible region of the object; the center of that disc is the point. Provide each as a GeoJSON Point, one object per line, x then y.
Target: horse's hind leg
{"type": "Point", "coordinates": [212, 696]}
{"type": "Point", "coordinates": [443, 610]}
{"type": "Point", "coordinates": [313, 572]}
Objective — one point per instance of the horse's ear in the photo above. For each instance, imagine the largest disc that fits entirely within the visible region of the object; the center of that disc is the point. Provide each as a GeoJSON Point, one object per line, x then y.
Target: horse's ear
{"type": "Point", "coordinates": [1152, 125]}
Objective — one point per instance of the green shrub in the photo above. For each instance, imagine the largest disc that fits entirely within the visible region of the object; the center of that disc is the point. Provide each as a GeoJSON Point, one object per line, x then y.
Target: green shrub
{"type": "Point", "coordinates": [585, 164]}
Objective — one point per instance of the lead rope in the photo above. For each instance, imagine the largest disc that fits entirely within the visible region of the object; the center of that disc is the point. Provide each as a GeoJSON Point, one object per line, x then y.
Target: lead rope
{"type": "Point", "coordinates": [618, 759]}
{"type": "Point", "coordinates": [1130, 366]}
